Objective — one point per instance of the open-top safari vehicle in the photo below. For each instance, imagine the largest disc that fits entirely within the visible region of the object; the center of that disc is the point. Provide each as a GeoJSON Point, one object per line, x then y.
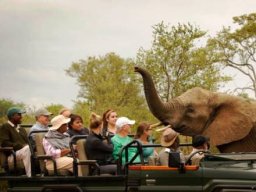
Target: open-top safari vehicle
{"type": "Point", "coordinates": [216, 172]}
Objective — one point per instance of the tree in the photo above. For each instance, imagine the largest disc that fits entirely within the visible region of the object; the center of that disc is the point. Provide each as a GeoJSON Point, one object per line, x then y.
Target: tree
{"type": "Point", "coordinates": [109, 82]}
{"type": "Point", "coordinates": [178, 62]}
{"type": "Point", "coordinates": [54, 108]}
{"type": "Point", "coordinates": [237, 48]}
{"type": "Point", "coordinates": [83, 109]}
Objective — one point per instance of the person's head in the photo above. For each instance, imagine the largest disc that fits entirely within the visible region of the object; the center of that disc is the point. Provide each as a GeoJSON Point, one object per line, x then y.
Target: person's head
{"type": "Point", "coordinates": [170, 139]}
{"type": "Point", "coordinates": [59, 123]}
{"type": "Point", "coordinates": [109, 118]}
{"type": "Point", "coordinates": [95, 122]}
{"type": "Point", "coordinates": [200, 142]}
{"type": "Point", "coordinates": [43, 116]}
{"type": "Point", "coordinates": [143, 129]}
{"type": "Point", "coordinates": [65, 112]}
{"type": "Point", "coordinates": [76, 122]}
{"type": "Point", "coordinates": [14, 114]}
{"type": "Point", "coordinates": [123, 125]}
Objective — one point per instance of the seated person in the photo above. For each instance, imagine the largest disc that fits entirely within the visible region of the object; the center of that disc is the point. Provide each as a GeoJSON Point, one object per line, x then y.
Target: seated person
{"type": "Point", "coordinates": [42, 121]}
{"type": "Point", "coordinates": [12, 135]}
{"type": "Point", "coordinates": [199, 143]}
{"type": "Point", "coordinates": [109, 123]}
{"type": "Point", "coordinates": [99, 149]}
{"type": "Point", "coordinates": [75, 126]}
{"type": "Point", "coordinates": [56, 144]}
{"type": "Point", "coordinates": [171, 142]}
{"type": "Point", "coordinates": [121, 138]}
{"type": "Point", "coordinates": [66, 112]}
{"type": "Point", "coordinates": [143, 135]}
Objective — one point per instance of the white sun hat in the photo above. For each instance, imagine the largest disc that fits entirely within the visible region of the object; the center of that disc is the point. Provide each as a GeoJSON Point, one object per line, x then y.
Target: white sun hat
{"type": "Point", "coordinates": [57, 121]}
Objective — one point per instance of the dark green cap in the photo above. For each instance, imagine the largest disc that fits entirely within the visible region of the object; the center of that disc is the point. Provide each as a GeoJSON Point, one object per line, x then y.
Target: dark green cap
{"type": "Point", "coordinates": [13, 110]}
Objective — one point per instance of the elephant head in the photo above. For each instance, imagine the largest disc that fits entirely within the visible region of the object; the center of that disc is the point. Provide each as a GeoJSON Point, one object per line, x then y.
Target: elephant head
{"type": "Point", "coordinates": [227, 120]}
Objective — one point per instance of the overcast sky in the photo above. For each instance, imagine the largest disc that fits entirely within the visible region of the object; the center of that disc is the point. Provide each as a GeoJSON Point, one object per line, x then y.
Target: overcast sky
{"type": "Point", "coordinates": [39, 39]}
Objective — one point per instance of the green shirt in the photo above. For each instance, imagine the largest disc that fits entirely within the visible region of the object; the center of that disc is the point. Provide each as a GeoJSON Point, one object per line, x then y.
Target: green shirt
{"type": "Point", "coordinates": [118, 143]}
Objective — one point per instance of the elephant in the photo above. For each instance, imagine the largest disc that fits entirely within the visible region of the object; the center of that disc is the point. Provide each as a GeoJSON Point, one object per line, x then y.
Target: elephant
{"type": "Point", "coordinates": [229, 121]}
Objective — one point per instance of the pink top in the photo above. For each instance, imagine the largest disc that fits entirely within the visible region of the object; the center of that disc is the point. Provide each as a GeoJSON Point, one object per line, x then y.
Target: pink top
{"type": "Point", "coordinates": [50, 150]}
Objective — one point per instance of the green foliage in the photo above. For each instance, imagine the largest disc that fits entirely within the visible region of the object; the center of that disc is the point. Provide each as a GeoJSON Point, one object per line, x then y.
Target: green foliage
{"type": "Point", "coordinates": [54, 108]}
{"type": "Point", "coordinates": [178, 62]}
{"type": "Point", "coordinates": [82, 108]}
{"type": "Point", "coordinates": [237, 48]}
{"type": "Point", "coordinates": [108, 82]}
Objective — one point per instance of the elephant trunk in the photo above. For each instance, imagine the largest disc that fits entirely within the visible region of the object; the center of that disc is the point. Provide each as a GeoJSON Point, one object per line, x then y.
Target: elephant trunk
{"type": "Point", "coordinates": [157, 107]}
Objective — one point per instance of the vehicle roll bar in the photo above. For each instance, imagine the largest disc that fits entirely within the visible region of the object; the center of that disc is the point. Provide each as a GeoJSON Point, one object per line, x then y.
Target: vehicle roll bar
{"type": "Point", "coordinates": [124, 149]}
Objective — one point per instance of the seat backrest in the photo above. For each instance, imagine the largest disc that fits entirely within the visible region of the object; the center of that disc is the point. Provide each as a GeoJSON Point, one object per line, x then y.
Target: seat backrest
{"type": "Point", "coordinates": [40, 149]}
{"type": "Point", "coordinates": [27, 129]}
{"type": "Point", "coordinates": [83, 169]}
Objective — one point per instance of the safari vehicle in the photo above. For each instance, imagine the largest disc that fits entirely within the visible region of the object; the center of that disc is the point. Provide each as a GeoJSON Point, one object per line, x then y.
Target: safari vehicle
{"type": "Point", "coordinates": [216, 173]}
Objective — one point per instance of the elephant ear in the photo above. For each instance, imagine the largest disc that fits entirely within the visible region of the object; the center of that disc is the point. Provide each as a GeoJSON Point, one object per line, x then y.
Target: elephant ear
{"type": "Point", "coordinates": [230, 120]}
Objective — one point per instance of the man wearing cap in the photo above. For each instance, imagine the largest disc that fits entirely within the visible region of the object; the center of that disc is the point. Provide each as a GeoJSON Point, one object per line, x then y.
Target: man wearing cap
{"type": "Point", "coordinates": [170, 140]}
{"type": "Point", "coordinates": [56, 144]}
{"type": "Point", "coordinates": [12, 135]}
{"type": "Point", "coordinates": [121, 138]}
{"type": "Point", "coordinates": [42, 121]}
{"type": "Point", "coordinates": [199, 143]}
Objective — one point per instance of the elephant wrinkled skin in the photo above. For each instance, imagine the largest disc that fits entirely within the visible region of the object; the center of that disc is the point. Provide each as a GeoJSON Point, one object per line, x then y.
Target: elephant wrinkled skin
{"type": "Point", "coordinates": [228, 121]}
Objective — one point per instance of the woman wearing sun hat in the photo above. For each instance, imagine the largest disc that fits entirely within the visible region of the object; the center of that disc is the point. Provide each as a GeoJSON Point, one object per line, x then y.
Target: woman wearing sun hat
{"type": "Point", "coordinates": [170, 140]}
{"type": "Point", "coordinates": [56, 144]}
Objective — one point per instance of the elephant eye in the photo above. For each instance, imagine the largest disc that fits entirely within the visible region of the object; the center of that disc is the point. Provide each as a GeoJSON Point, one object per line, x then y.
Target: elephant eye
{"type": "Point", "coordinates": [190, 109]}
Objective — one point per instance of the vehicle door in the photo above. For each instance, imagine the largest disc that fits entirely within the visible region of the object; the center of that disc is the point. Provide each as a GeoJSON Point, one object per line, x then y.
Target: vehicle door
{"type": "Point", "coordinates": [163, 178]}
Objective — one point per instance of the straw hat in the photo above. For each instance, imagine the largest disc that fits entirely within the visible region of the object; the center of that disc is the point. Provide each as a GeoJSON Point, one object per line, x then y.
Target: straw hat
{"type": "Point", "coordinates": [58, 121]}
{"type": "Point", "coordinates": [168, 137]}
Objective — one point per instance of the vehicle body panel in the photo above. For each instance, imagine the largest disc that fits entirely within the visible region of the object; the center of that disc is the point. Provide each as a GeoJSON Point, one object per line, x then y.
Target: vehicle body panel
{"type": "Point", "coordinates": [216, 173]}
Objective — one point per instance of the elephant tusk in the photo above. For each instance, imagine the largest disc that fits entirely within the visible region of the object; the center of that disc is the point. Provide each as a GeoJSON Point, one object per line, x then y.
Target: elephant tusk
{"type": "Point", "coordinates": [155, 125]}
{"type": "Point", "coordinates": [163, 128]}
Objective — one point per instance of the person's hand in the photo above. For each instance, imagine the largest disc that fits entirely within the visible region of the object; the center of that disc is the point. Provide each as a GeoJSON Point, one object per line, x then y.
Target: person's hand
{"type": "Point", "coordinates": [155, 153]}
{"type": "Point", "coordinates": [64, 152]}
{"type": "Point", "coordinates": [75, 147]}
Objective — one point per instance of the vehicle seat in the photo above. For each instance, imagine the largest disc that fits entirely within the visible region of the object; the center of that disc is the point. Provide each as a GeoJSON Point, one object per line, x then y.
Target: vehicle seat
{"type": "Point", "coordinates": [41, 156]}
{"type": "Point", "coordinates": [83, 170]}
{"type": "Point", "coordinates": [82, 166]}
{"type": "Point", "coordinates": [10, 168]}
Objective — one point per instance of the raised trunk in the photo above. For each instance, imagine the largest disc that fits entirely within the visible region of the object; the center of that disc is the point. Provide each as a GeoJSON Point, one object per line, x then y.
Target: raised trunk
{"type": "Point", "coordinates": [159, 109]}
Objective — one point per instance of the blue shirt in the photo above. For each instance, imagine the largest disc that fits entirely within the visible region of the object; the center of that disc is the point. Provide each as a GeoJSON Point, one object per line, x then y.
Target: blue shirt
{"type": "Point", "coordinates": [38, 127]}
{"type": "Point", "coordinates": [147, 151]}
